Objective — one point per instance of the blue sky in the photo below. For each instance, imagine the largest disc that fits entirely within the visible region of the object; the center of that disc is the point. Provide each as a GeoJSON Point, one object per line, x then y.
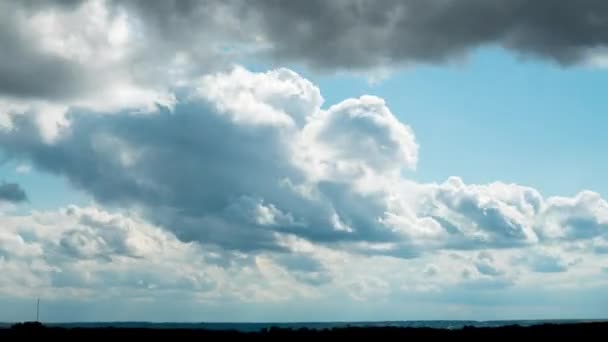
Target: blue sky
{"type": "Point", "coordinates": [496, 117]}
{"type": "Point", "coordinates": [375, 166]}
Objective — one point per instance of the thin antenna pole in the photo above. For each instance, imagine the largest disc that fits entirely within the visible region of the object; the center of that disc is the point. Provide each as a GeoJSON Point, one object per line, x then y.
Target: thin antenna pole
{"type": "Point", "coordinates": [38, 310]}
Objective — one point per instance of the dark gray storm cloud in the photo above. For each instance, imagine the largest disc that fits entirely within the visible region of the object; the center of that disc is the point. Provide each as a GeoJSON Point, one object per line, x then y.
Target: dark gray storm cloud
{"type": "Point", "coordinates": [347, 34]}
{"type": "Point", "coordinates": [365, 33]}
{"type": "Point", "coordinates": [12, 192]}
{"type": "Point", "coordinates": [329, 35]}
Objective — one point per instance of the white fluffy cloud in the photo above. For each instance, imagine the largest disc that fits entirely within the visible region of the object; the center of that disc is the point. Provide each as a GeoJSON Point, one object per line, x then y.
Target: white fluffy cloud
{"type": "Point", "coordinates": [92, 256]}
{"type": "Point", "coordinates": [87, 55]}
{"type": "Point", "coordinates": [277, 97]}
{"type": "Point", "coordinates": [357, 138]}
{"type": "Point", "coordinates": [90, 253]}
{"type": "Point", "coordinates": [245, 158]}
{"type": "Point", "coordinates": [270, 162]}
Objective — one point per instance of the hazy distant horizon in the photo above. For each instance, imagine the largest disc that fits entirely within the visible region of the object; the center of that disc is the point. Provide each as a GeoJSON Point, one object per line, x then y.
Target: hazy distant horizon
{"type": "Point", "coordinates": [258, 326]}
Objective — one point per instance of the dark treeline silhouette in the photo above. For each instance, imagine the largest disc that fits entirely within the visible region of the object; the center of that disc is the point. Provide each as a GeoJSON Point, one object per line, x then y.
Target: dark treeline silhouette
{"type": "Point", "coordinates": [25, 331]}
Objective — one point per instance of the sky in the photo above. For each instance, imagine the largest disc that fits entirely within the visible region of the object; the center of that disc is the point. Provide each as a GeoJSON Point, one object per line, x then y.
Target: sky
{"type": "Point", "coordinates": [303, 161]}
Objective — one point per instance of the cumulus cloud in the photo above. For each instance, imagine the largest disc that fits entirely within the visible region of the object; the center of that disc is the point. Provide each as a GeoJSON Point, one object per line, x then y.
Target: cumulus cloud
{"type": "Point", "coordinates": [361, 136]}
{"type": "Point", "coordinates": [106, 55]}
{"type": "Point", "coordinates": [87, 252]}
{"type": "Point", "coordinates": [359, 34]}
{"type": "Point", "coordinates": [246, 158]}
{"type": "Point", "coordinates": [241, 172]}
{"type": "Point", "coordinates": [495, 214]}
{"type": "Point", "coordinates": [581, 217]}
{"type": "Point", "coordinates": [78, 54]}
{"type": "Point", "coordinates": [112, 55]}
{"type": "Point", "coordinates": [363, 34]}
{"type": "Point", "coordinates": [83, 256]}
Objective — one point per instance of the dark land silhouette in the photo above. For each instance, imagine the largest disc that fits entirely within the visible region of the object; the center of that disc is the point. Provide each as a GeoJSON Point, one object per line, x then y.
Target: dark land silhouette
{"type": "Point", "coordinates": [38, 331]}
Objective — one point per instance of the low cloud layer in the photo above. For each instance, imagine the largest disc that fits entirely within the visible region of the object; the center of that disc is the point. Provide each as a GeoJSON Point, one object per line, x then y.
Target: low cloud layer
{"type": "Point", "coordinates": [84, 261]}
{"type": "Point", "coordinates": [85, 252]}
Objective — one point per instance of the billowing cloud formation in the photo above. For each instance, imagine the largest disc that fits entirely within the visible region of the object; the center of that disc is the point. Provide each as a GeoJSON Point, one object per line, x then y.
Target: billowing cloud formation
{"type": "Point", "coordinates": [112, 54]}
{"type": "Point", "coordinates": [510, 215]}
{"type": "Point", "coordinates": [250, 189]}
{"type": "Point", "coordinates": [12, 193]}
{"type": "Point", "coordinates": [340, 34]}
{"type": "Point", "coordinates": [78, 54]}
{"type": "Point", "coordinates": [246, 164]}
{"type": "Point", "coordinates": [245, 159]}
